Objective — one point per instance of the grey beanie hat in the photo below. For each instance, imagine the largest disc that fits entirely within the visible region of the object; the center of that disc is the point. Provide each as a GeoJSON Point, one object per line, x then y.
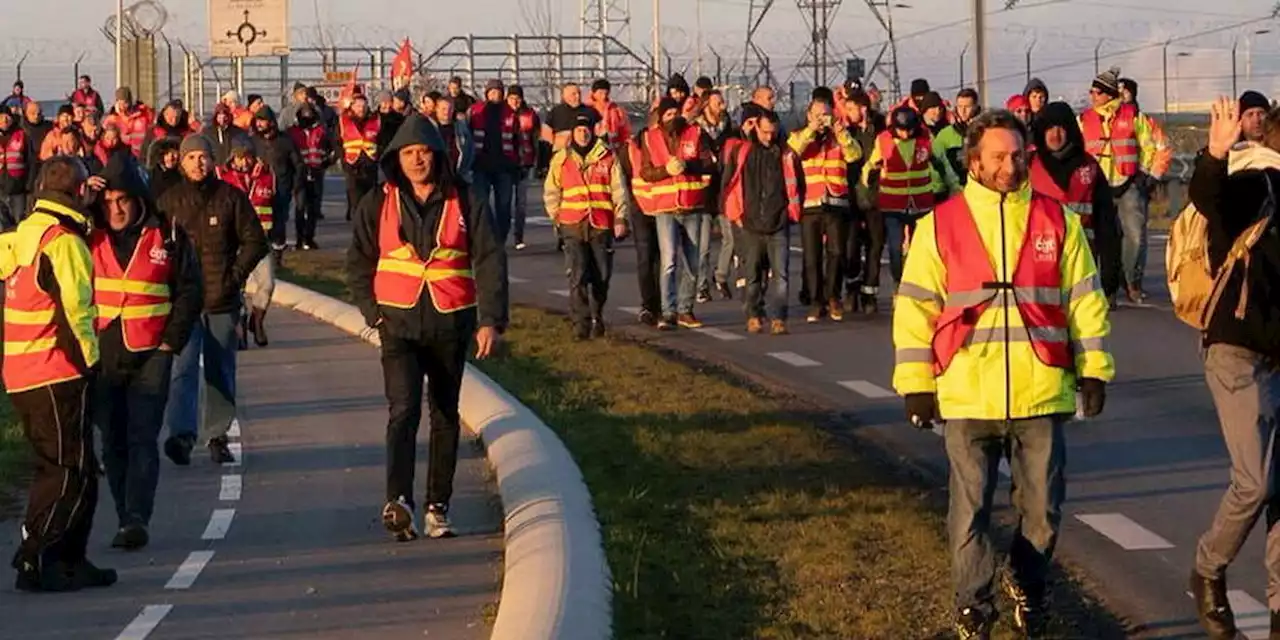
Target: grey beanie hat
{"type": "Point", "coordinates": [195, 142]}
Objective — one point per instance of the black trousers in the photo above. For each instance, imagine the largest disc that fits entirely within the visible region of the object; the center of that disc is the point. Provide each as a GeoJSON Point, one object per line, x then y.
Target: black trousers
{"type": "Point", "coordinates": [64, 486]}
{"type": "Point", "coordinates": [866, 246]}
{"type": "Point", "coordinates": [823, 236]}
{"type": "Point", "coordinates": [588, 258]}
{"type": "Point", "coordinates": [361, 179]}
{"type": "Point", "coordinates": [131, 393]}
{"type": "Point", "coordinates": [307, 212]}
{"type": "Point", "coordinates": [648, 261]}
{"type": "Point", "coordinates": [404, 363]}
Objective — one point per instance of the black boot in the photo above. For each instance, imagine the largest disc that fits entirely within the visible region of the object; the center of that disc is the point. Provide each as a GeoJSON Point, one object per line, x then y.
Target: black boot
{"type": "Point", "coordinates": [1212, 606]}
{"type": "Point", "coordinates": [131, 537]}
{"type": "Point", "coordinates": [597, 327]}
{"type": "Point", "coordinates": [219, 451]}
{"type": "Point", "coordinates": [178, 448]}
{"type": "Point", "coordinates": [870, 306]}
{"type": "Point", "coordinates": [972, 624]}
{"type": "Point", "coordinates": [1030, 608]}
{"type": "Point", "coordinates": [85, 575]}
{"type": "Point", "coordinates": [258, 323]}
{"type": "Point", "coordinates": [52, 577]}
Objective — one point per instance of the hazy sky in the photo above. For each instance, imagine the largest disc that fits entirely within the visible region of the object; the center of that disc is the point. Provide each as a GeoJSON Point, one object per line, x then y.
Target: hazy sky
{"type": "Point", "coordinates": [1065, 33]}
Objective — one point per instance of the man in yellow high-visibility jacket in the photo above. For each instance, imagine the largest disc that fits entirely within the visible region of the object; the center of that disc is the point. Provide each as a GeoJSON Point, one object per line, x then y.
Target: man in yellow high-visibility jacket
{"type": "Point", "coordinates": [996, 345]}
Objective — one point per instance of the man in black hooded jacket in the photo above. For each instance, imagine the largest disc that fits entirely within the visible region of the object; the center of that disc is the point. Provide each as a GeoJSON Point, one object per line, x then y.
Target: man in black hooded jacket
{"type": "Point", "coordinates": [425, 321]}
{"type": "Point", "coordinates": [283, 157]}
{"type": "Point", "coordinates": [132, 244]}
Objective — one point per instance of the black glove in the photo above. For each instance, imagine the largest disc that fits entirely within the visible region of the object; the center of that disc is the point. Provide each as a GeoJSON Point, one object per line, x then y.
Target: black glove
{"type": "Point", "coordinates": [1093, 395]}
{"type": "Point", "coordinates": [922, 409]}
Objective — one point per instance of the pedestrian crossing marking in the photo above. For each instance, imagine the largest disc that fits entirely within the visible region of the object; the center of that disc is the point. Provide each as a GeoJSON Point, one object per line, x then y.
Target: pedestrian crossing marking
{"type": "Point", "coordinates": [1130, 535]}
{"type": "Point", "coordinates": [794, 359]}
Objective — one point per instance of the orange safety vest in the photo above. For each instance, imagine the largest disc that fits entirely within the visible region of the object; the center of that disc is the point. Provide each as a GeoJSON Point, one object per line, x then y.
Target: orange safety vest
{"type": "Point", "coordinates": [1079, 193]}
{"type": "Point", "coordinates": [676, 194]}
{"type": "Point", "coordinates": [401, 274]}
{"type": "Point", "coordinates": [359, 138]}
{"type": "Point", "coordinates": [905, 186]}
{"type": "Point", "coordinates": [259, 184]}
{"type": "Point", "coordinates": [826, 174]}
{"type": "Point", "coordinates": [526, 118]}
{"type": "Point", "coordinates": [133, 127]}
{"type": "Point", "coordinates": [587, 197]}
{"type": "Point", "coordinates": [1122, 138]}
{"type": "Point", "coordinates": [33, 356]}
{"type": "Point", "coordinates": [734, 206]}
{"type": "Point", "coordinates": [508, 121]}
{"type": "Point", "coordinates": [137, 294]}
{"type": "Point", "coordinates": [310, 143]}
{"type": "Point", "coordinates": [15, 156]}
{"type": "Point", "coordinates": [972, 287]}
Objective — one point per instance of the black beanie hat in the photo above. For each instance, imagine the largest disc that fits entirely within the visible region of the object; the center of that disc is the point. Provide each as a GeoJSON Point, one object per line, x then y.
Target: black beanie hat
{"type": "Point", "coordinates": [1253, 100]}
{"type": "Point", "coordinates": [601, 85]}
{"type": "Point", "coordinates": [931, 100]}
{"type": "Point", "coordinates": [919, 87]}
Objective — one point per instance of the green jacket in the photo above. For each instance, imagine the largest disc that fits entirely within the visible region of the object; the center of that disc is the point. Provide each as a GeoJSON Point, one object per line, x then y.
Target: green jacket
{"type": "Point", "coordinates": [948, 148]}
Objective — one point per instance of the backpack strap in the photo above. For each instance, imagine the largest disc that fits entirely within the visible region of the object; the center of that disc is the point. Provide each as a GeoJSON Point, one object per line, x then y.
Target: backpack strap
{"type": "Point", "coordinates": [1241, 251]}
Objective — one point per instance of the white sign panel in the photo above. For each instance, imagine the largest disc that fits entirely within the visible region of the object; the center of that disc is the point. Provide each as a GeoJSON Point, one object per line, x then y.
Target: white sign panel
{"type": "Point", "coordinates": [248, 28]}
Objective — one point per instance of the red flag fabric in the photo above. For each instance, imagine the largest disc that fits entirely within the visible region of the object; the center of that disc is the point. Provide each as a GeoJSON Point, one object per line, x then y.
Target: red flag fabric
{"type": "Point", "coordinates": [402, 65]}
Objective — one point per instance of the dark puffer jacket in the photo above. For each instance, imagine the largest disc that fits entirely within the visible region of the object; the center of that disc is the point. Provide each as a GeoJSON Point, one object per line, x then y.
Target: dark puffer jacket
{"type": "Point", "coordinates": [277, 150]}
{"type": "Point", "coordinates": [226, 233]}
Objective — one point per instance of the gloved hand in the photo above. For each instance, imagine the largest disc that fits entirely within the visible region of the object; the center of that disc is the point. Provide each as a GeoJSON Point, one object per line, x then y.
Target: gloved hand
{"type": "Point", "coordinates": [1093, 395]}
{"type": "Point", "coordinates": [922, 409]}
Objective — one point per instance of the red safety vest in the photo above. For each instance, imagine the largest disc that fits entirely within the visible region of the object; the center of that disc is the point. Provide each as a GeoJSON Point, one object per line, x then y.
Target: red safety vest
{"type": "Point", "coordinates": [905, 184]}
{"type": "Point", "coordinates": [527, 120]}
{"type": "Point", "coordinates": [1122, 138]}
{"type": "Point", "coordinates": [446, 273]}
{"type": "Point", "coordinates": [33, 354]}
{"type": "Point", "coordinates": [676, 194]}
{"type": "Point", "coordinates": [310, 143]}
{"type": "Point", "coordinates": [972, 287]}
{"type": "Point", "coordinates": [361, 138]}
{"type": "Point", "coordinates": [259, 184]}
{"type": "Point", "coordinates": [137, 294]}
{"type": "Point", "coordinates": [132, 127]}
{"type": "Point", "coordinates": [1079, 193]}
{"type": "Point", "coordinates": [15, 155]}
{"type": "Point", "coordinates": [87, 99]}
{"type": "Point", "coordinates": [478, 132]}
{"type": "Point", "coordinates": [734, 207]}
{"type": "Point", "coordinates": [826, 174]}
{"type": "Point", "coordinates": [587, 197]}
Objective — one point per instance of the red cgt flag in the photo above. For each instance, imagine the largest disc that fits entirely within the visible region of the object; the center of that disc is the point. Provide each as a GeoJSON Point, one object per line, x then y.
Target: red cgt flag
{"type": "Point", "coordinates": [402, 65]}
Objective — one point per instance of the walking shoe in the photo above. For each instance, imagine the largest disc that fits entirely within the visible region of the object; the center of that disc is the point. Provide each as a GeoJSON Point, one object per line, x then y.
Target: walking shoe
{"type": "Point", "coordinates": [398, 518]}
{"type": "Point", "coordinates": [178, 449]}
{"type": "Point", "coordinates": [1030, 614]}
{"type": "Point", "coordinates": [704, 296]}
{"type": "Point", "coordinates": [597, 328]}
{"type": "Point", "coordinates": [219, 452]}
{"type": "Point", "coordinates": [258, 325]}
{"type": "Point", "coordinates": [647, 317]}
{"type": "Point", "coordinates": [52, 577]}
{"type": "Point", "coordinates": [1136, 296]}
{"type": "Point", "coordinates": [815, 314]}
{"type": "Point", "coordinates": [84, 574]}
{"type": "Point", "coordinates": [723, 289]}
{"type": "Point", "coordinates": [1212, 607]}
{"type": "Point", "coordinates": [438, 525]}
{"type": "Point", "coordinates": [521, 246]}
{"type": "Point", "coordinates": [667, 323]}
{"type": "Point", "coordinates": [972, 624]}
{"type": "Point", "coordinates": [755, 325]}
{"type": "Point", "coordinates": [870, 306]}
{"type": "Point", "coordinates": [835, 310]}
{"type": "Point", "coordinates": [279, 247]}
{"type": "Point", "coordinates": [778, 328]}
{"type": "Point", "coordinates": [131, 537]}
{"type": "Point", "coordinates": [688, 321]}
{"type": "Point", "coordinates": [740, 283]}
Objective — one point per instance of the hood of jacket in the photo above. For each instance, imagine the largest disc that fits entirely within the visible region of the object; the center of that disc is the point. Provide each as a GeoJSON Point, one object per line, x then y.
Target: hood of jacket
{"type": "Point", "coordinates": [266, 113]}
{"type": "Point", "coordinates": [1035, 84]}
{"type": "Point", "coordinates": [184, 122]}
{"type": "Point", "coordinates": [122, 173]}
{"type": "Point", "coordinates": [1061, 163]}
{"type": "Point", "coordinates": [1246, 156]}
{"type": "Point", "coordinates": [415, 130]}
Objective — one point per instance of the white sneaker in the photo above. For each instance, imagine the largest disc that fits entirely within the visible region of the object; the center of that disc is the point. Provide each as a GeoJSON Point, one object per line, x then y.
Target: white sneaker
{"type": "Point", "coordinates": [438, 525]}
{"type": "Point", "coordinates": [398, 518]}
{"type": "Point", "coordinates": [520, 246]}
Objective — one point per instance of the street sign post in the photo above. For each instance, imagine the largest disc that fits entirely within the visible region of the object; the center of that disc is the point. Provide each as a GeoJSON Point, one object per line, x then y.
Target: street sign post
{"type": "Point", "coordinates": [247, 28]}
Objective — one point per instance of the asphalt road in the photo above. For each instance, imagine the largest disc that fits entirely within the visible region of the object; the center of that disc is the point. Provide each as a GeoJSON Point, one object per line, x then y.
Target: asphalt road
{"type": "Point", "coordinates": [289, 542]}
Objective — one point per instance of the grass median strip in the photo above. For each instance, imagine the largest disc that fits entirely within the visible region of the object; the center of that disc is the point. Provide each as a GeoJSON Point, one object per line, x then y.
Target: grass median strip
{"type": "Point", "coordinates": [15, 457]}
{"type": "Point", "coordinates": [726, 512]}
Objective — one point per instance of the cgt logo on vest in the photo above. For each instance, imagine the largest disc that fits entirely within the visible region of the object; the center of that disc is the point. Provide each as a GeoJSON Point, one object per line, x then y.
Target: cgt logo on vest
{"type": "Point", "coordinates": [1046, 247]}
{"type": "Point", "coordinates": [159, 255]}
{"type": "Point", "coordinates": [922, 153]}
{"type": "Point", "coordinates": [1085, 174]}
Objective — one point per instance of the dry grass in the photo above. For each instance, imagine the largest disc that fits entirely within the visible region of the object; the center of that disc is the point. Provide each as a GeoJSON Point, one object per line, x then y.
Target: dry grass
{"type": "Point", "coordinates": [726, 512]}
{"type": "Point", "coordinates": [14, 458]}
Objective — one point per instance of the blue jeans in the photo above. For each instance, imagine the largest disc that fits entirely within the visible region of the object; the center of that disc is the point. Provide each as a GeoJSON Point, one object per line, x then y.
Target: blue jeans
{"type": "Point", "coordinates": [214, 338]}
{"type": "Point", "coordinates": [760, 255]}
{"type": "Point", "coordinates": [724, 262]}
{"type": "Point", "coordinates": [1131, 209]}
{"type": "Point", "coordinates": [896, 225]}
{"type": "Point", "coordinates": [678, 236]}
{"type": "Point", "coordinates": [502, 186]}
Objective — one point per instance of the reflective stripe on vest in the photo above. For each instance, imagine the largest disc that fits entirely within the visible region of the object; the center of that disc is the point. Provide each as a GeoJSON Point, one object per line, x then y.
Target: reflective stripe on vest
{"type": "Point", "coordinates": [971, 285]}
{"type": "Point", "coordinates": [826, 174]}
{"type": "Point", "coordinates": [508, 122]}
{"type": "Point", "coordinates": [400, 275]}
{"type": "Point", "coordinates": [734, 201]}
{"type": "Point", "coordinates": [676, 194]}
{"type": "Point", "coordinates": [14, 155]}
{"type": "Point", "coordinates": [1079, 193]}
{"type": "Point", "coordinates": [587, 197]}
{"type": "Point", "coordinates": [33, 356]}
{"type": "Point", "coordinates": [360, 138]}
{"type": "Point", "coordinates": [310, 143]}
{"type": "Point", "coordinates": [259, 185]}
{"type": "Point", "coordinates": [1119, 142]}
{"type": "Point", "coordinates": [138, 294]}
{"type": "Point", "coordinates": [905, 186]}
{"type": "Point", "coordinates": [528, 137]}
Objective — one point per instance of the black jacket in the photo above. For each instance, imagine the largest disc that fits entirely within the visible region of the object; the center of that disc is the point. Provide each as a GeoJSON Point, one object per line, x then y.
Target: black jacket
{"type": "Point", "coordinates": [36, 131]}
{"type": "Point", "coordinates": [278, 151]}
{"type": "Point", "coordinates": [222, 139]}
{"type": "Point", "coordinates": [226, 234]}
{"type": "Point", "coordinates": [764, 194]}
{"type": "Point", "coordinates": [418, 224]}
{"type": "Point", "coordinates": [10, 186]}
{"type": "Point", "coordinates": [178, 132]}
{"type": "Point", "coordinates": [1231, 204]}
{"type": "Point", "coordinates": [185, 286]}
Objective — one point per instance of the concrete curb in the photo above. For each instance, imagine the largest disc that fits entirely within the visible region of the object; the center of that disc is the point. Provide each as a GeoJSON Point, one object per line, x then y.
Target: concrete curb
{"type": "Point", "coordinates": [556, 584]}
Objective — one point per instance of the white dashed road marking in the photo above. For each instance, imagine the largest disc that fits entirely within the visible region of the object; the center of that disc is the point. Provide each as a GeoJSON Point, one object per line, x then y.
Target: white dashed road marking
{"type": "Point", "coordinates": [719, 334]}
{"type": "Point", "coordinates": [231, 486]}
{"type": "Point", "coordinates": [515, 280]}
{"type": "Point", "coordinates": [234, 431]}
{"type": "Point", "coordinates": [867, 389]}
{"type": "Point", "coordinates": [794, 359]}
{"type": "Point", "coordinates": [1252, 617]}
{"type": "Point", "coordinates": [1130, 535]}
{"type": "Point", "coordinates": [190, 569]}
{"type": "Point", "coordinates": [146, 622]}
{"type": "Point", "coordinates": [564, 293]}
{"type": "Point", "coordinates": [635, 311]}
{"type": "Point", "coordinates": [237, 452]}
{"type": "Point", "coordinates": [219, 523]}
